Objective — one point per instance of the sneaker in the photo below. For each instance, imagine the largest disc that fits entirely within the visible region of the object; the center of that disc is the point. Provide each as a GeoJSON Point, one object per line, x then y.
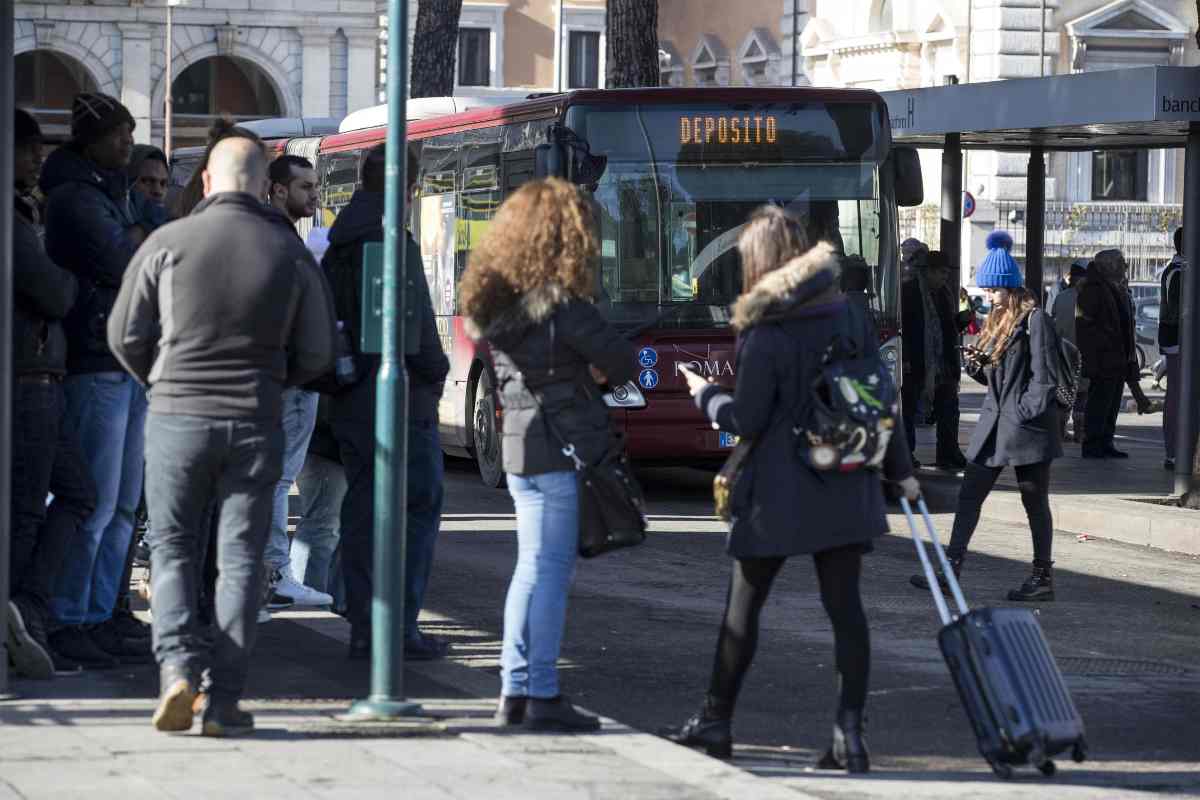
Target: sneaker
{"type": "Point", "coordinates": [128, 625]}
{"type": "Point", "coordinates": [425, 648]}
{"type": "Point", "coordinates": [27, 645]}
{"type": "Point", "coordinates": [73, 644]}
{"type": "Point", "coordinates": [279, 602]}
{"type": "Point", "coordinates": [176, 696]}
{"type": "Point", "coordinates": [224, 718]}
{"type": "Point", "coordinates": [301, 595]}
{"type": "Point", "coordinates": [264, 615]}
{"type": "Point", "coordinates": [557, 714]}
{"type": "Point", "coordinates": [128, 651]}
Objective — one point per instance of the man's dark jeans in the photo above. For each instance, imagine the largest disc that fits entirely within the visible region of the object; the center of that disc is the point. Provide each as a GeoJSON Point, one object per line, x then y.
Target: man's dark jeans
{"type": "Point", "coordinates": [1103, 406]}
{"type": "Point", "coordinates": [192, 462]}
{"type": "Point", "coordinates": [46, 459]}
{"type": "Point", "coordinates": [354, 427]}
{"type": "Point", "coordinates": [945, 410]}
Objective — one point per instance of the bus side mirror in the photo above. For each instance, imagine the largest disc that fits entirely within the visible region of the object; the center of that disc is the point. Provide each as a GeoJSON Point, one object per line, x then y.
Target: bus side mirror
{"type": "Point", "coordinates": [910, 190]}
{"type": "Point", "coordinates": [550, 160]}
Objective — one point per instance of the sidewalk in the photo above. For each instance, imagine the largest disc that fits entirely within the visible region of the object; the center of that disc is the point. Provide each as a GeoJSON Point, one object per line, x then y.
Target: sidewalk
{"type": "Point", "coordinates": [1118, 499]}
{"type": "Point", "coordinates": [89, 736]}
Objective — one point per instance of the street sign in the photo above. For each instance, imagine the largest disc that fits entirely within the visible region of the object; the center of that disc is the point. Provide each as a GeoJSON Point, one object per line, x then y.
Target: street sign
{"type": "Point", "coordinates": [370, 338]}
{"type": "Point", "coordinates": [968, 204]}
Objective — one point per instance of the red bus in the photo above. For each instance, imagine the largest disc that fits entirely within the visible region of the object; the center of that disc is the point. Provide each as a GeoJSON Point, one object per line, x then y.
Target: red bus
{"type": "Point", "coordinates": [675, 174]}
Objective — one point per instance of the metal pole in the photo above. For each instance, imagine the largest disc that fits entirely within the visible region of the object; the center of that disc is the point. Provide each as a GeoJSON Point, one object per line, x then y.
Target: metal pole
{"type": "Point", "coordinates": [7, 104]}
{"type": "Point", "coordinates": [167, 104]}
{"type": "Point", "coordinates": [1042, 40]}
{"type": "Point", "coordinates": [952, 209]}
{"type": "Point", "coordinates": [1035, 222]}
{"type": "Point", "coordinates": [391, 409]}
{"type": "Point", "coordinates": [1189, 353]}
{"type": "Point", "coordinates": [558, 51]}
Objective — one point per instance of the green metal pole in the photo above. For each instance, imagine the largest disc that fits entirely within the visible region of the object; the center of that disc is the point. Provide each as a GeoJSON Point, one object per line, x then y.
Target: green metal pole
{"type": "Point", "coordinates": [391, 409]}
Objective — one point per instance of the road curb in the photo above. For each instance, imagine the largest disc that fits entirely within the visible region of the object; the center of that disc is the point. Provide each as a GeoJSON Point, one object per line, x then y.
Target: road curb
{"type": "Point", "coordinates": [1137, 520]}
{"type": "Point", "coordinates": [683, 764]}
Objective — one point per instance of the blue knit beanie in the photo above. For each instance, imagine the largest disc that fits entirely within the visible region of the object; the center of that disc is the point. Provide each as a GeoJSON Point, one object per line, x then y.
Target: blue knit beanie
{"type": "Point", "coordinates": [998, 270]}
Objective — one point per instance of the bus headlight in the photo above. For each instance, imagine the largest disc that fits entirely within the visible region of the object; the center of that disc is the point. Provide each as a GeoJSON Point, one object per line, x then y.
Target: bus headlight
{"type": "Point", "coordinates": [627, 395]}
{"type": "Point", "coordinates": [889, 351]}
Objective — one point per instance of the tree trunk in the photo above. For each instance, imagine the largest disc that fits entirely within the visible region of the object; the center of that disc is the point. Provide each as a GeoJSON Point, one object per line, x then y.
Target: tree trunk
{"type": "Point", "coordinates": [632, 57]}
{"type": "Point", "coordinates": [435, 45]}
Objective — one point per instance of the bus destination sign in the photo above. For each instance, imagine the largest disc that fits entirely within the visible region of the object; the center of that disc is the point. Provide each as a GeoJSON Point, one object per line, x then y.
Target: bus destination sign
{"type": "Point", "coordinates": [739, 129]}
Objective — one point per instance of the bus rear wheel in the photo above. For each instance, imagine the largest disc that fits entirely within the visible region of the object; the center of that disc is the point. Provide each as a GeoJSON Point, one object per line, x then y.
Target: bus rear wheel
{"type": "Point", "coordinates": [485, 434]}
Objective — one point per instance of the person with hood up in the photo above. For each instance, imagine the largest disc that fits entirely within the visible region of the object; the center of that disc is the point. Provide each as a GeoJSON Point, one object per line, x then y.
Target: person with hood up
{"type": "Point", "coordinates": [1104, 326]}
{"type": "Point", "coordinates": [46, 456]}
{"type": "Point", "coordinates": [353, 420]}
{"type": "Point", "coordinates": [149, 175]}
{"type": "Point", "coordinates": [789, 312]}
{"type": "Point", "coordinates": [1169, 326]}
{"type": "Point", "coordinates": [1018, 423]}
{"type": "Point", "coordinates": [931, 326]}
{"type": "Point", "coordinates": [529, 292]}
{"type": "Point", "coordinates": [93, 226]}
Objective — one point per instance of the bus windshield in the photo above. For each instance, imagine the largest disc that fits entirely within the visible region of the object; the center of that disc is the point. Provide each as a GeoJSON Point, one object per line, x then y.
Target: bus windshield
{"type": "Point", "coordinates": [670, 216]}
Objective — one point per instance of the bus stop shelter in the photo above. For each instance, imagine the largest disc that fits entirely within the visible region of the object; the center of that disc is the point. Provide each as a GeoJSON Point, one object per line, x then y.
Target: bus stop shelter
{"type": "Point", "coordinates": [1124, 109]}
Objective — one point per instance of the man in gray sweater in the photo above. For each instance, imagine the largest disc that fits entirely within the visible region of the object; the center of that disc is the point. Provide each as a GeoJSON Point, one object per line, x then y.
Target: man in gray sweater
{"type": "Point", "coordinates": [218, 313]}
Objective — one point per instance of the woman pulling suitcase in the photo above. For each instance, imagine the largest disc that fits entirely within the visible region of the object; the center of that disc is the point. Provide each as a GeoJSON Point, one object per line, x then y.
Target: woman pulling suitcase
{"type": "Point", "coordinates": [1018, 424]}
{"type": "Point", "coordinates": [788, 315]}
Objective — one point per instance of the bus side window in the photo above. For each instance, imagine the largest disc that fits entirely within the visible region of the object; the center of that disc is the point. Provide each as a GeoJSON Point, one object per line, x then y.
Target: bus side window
{"type": "Point", "coordinates": [479, 195]}
{"type": "Point", "coordinates": [338, 178]}
{"type": "Point", "coordinates": [436, 217]}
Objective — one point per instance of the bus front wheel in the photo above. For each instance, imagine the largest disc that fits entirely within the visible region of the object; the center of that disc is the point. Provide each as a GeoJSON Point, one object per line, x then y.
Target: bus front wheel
{"type": "Point", "coordinates": [485, 434]}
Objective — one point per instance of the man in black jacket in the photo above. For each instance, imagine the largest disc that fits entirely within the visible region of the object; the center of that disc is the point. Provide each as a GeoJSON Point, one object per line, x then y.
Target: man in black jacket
{"type": "Point", "coordinates": [213, 433]}
{"type": "Point", "coordinates": [1170, 318]}
{"type": "Point", "coordinates": [354, 422]}
{"type": "Point", "coordinates": [1104, 330]}
{"type": "Point", "coordinates": [931, 326]}
{"type": "Point", "coordinates": [46, 456]}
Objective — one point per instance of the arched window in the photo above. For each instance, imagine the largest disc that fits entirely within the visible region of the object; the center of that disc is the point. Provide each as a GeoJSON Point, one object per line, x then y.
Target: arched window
{"type": "Point", "coordinates": [224, 85]}
{"type": "Point", "coordinates": [46, 83]}
{"type": "Point", "coordinates": [881, 20]}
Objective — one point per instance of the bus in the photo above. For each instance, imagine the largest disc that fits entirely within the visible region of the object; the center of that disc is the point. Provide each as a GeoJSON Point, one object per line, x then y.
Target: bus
{"type": "Point", "coordinates": [674, 174]}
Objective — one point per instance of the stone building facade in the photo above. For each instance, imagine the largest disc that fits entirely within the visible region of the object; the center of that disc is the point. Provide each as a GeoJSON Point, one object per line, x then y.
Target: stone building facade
{"type": "Point", "coordinates": [312, 58]}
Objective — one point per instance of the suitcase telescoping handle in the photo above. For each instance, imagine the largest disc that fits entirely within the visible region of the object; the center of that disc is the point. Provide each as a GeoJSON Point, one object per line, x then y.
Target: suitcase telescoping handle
{"type": "Point", "coordinates": [934, 588]}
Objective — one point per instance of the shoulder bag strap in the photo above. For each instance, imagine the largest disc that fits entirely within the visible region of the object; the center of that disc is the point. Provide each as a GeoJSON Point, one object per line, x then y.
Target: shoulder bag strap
{"type": "Point", "coordinates": [568, 449]}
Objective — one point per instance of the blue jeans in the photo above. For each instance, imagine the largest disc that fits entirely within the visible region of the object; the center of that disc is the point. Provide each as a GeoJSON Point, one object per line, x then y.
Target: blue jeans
{"type": "Point", "coordinates": [108, 409]}
{"type": "Point", "coordinates": [322, 486]}
{"type": "Point", "coordinates": [535, 610]}
{"type": "Point", "coordinates": [195, 464]}
{"type": "Point", "coordinates": [297, 420]}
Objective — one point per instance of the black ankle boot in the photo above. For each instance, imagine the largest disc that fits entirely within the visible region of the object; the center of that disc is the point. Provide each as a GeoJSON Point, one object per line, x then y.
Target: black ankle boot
{"type": "Point", "coordinates": [849, 748]}
{"type": "Point", "coordinates": [557, 714]}
{"type": "Point", "coordinates": [920, 582]}
{"type": "Point", "coordinates": [1038, 587]}
{"type": "Point", "coordinates": [708, 728]}
{"type": "Point", "coordinates": [511, 710]}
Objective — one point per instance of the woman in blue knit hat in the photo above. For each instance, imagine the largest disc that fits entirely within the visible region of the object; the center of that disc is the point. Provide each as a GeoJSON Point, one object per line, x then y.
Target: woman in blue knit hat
{"type": "Point", "coordinates": [1018, 425]}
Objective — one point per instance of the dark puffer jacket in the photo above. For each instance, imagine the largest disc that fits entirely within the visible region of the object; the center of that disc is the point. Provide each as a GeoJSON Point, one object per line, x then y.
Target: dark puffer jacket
{"type": "Point", "coordinates": [43, 293]}
{"type": "Point", "coordinates": [544, 342]}
{"type": "Point", "coordinates": [781, 506]}
{"type": "Point", "coordinates": [89, 214]}
{"type": "Point", "coordinates": [1018, 423]}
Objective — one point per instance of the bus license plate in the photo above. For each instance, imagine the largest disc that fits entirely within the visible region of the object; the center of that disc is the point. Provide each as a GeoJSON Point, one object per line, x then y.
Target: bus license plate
{"type": "Point", "coordinates": [726, 439]}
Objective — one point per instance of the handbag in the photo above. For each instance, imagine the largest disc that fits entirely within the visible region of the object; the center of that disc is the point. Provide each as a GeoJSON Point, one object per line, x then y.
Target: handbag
{"type": "Point", "coordinates": [612, 508]}
{"type": "Point", "coordinates": [727, 478]}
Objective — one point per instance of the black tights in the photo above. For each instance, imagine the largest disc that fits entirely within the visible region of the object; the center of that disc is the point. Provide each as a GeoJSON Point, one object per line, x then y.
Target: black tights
{"type": "Point", "coordinates": [1033, 481]}
{"type": "Point", "coordinates": [838, 572]}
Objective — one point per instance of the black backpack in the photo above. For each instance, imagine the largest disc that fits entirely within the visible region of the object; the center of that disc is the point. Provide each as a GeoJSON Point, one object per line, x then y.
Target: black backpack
{"type": "Point", "coordinates": [851, 406]}
{"type": "Point", "coordinates": [1064, 368]}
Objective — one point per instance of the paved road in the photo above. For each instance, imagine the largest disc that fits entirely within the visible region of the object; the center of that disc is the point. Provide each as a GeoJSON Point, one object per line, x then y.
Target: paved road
{"type": "Point", "coordinates": [643, 624]}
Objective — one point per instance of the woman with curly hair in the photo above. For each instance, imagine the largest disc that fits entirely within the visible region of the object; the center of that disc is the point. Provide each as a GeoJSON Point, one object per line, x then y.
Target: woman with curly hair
{"type": "Point", "coordinates": [528, 294]}
{"type": "Point", "coordinates": [1018, 424]}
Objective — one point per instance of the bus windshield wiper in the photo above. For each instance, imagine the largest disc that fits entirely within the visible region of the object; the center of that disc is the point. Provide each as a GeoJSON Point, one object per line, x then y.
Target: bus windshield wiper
{"type": "Point", "coordinates": [671, 311]}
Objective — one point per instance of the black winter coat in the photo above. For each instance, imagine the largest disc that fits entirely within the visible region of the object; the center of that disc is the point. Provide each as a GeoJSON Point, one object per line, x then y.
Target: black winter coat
{"type": "Point", "coordinates": [361, 221]}
{"type": "Point", "coordinates": [1018, 423]}
{"type": "Point", "coordinates": [43, 293]}
{"type": "Point", "coordinates": [1103, 329]}
{"type": "Point", "coordinates": [781, 506]}
{"type": "Point", "coordinates": [544, 343]}
{"type": "Point", "coordinates": [912, 325]}
{"type": "Point", "coordinates": [89, 214]}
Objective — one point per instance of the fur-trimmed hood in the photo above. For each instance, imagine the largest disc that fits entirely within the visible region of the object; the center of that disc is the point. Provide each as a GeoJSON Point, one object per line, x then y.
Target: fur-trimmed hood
{"type": "Point", "coordinates": [532, 308]}
{"type": "Point", "coordinates": [805, 281]}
